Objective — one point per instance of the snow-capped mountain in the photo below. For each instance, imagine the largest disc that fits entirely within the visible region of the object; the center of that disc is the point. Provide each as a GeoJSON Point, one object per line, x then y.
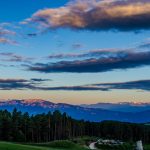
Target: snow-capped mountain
{"type": "Point", "coordinates": [36, 106]}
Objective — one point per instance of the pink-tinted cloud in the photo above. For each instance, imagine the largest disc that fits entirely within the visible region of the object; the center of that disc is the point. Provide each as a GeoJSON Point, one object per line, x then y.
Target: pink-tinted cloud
{"type": "Point", "coordinates": [5, 35]}
{"type": "Point", "coordinates": [96, 15]}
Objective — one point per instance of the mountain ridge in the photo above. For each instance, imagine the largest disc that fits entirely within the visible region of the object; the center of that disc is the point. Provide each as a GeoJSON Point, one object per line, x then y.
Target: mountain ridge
{"type": "Point", "coordinates": [123, 106]}
{"type": "Point", "coordinates": [34, 106]}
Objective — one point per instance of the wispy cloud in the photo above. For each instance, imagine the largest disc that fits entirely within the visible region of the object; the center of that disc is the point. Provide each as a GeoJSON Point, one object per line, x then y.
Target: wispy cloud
{"type": "Point", "coordinates": [21, 84]}
{"type": "Point", "coordinates": [5, 35]}
{"type": "Point", "coordinates": [37, 84]}
{"type": "Point", "coordinates": [77, 45]}
{"type": "Point", "coordinates": [145, 45]}
{"type": "Point", "coordinates": [135, 85]}
{"type": "Point", "coordinates": [12, 57]}
{"type": "Point", "coordinates": [143, 85]}
{"type": "Point", "coordinates": [124, 15]}
{"type": "Point", "coordinates": [98, 53]}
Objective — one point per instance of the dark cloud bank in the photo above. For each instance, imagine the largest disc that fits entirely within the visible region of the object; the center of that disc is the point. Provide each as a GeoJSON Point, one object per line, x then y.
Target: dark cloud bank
{"type": "Point", "coordinates": [108, 62]}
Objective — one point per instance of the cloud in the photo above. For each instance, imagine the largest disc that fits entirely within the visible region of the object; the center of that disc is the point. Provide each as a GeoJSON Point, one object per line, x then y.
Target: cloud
{"type": "Point", "coordinates": [101, 53]}
{"type": "Point", "coordinates": [7, 41]}
{"type": "Point", "coordinates": [131, 85]}
{"type": "Point", "coordinates": [11, 84]}
{"type": "Point", "coordinates": [34, 84]}
{"type": "Point", "coordinates": [5, 32]}
{"type": "Point", "coordinates": [74, 88]}
{"type": "Point", "coordinates": [77, 46]}
{"type": "Point", "coordinates": [123, 60]}
{"type": "Point", "coordinates": [32, 34]}
{"type": "Point", "coordinates": [135, 85]}
{"type": "Point", "coordinates": [12, 57]}
{"type": "Point", "coordinates": [21, 84]}
{"type": "Point", "coordinates": [145, 45]}
{"type": "Point", "coordinates": [5, 36]}
{"type": "Point", "coordinates": [123, 15]}
{"type": "Point", "coordinates": [39, 80]}
{"type": "Point", "coordinates": [37, 84]}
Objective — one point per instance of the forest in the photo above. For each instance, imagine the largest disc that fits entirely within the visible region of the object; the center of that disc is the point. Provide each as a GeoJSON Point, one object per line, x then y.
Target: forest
{"type": "Point", "coordinates": [22, 127]}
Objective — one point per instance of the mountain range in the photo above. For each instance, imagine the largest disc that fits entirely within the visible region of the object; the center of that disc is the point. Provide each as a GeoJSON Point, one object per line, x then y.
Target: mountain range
{"type": "Point", "coordinates": [123, 106]}
{"type": "Point", "coordinates": [125, 112]}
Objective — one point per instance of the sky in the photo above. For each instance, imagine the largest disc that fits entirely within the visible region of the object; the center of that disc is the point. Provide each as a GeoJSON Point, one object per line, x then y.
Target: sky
{"type": "Point", "coordinates": [76, 51]}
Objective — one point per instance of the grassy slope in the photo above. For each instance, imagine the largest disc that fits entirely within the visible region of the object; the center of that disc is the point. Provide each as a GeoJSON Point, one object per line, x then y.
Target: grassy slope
{"type": "Point", "coordinates": [49, 146]}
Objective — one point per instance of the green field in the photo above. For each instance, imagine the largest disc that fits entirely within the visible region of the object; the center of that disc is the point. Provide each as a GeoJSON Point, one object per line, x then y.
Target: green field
{"type": "Point", "coordinates": [61, 145]}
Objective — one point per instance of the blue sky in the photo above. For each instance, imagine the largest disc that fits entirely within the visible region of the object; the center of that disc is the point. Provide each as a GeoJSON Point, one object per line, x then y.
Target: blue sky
{"type": "Point", "coordinates": [17, 10]}
{"type": "Point", "coordinates": [25, 49]}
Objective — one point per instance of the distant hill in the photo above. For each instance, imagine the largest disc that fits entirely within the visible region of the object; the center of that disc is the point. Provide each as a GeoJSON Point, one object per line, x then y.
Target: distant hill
{"type": "Point", "coordinates": [90, 114]}
{"type": "Point", "coordinates": [123, 107]}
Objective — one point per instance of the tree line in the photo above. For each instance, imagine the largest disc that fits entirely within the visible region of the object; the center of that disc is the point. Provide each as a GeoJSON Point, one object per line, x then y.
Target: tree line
{"type": "Point", "coordinates": [22, 127]}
